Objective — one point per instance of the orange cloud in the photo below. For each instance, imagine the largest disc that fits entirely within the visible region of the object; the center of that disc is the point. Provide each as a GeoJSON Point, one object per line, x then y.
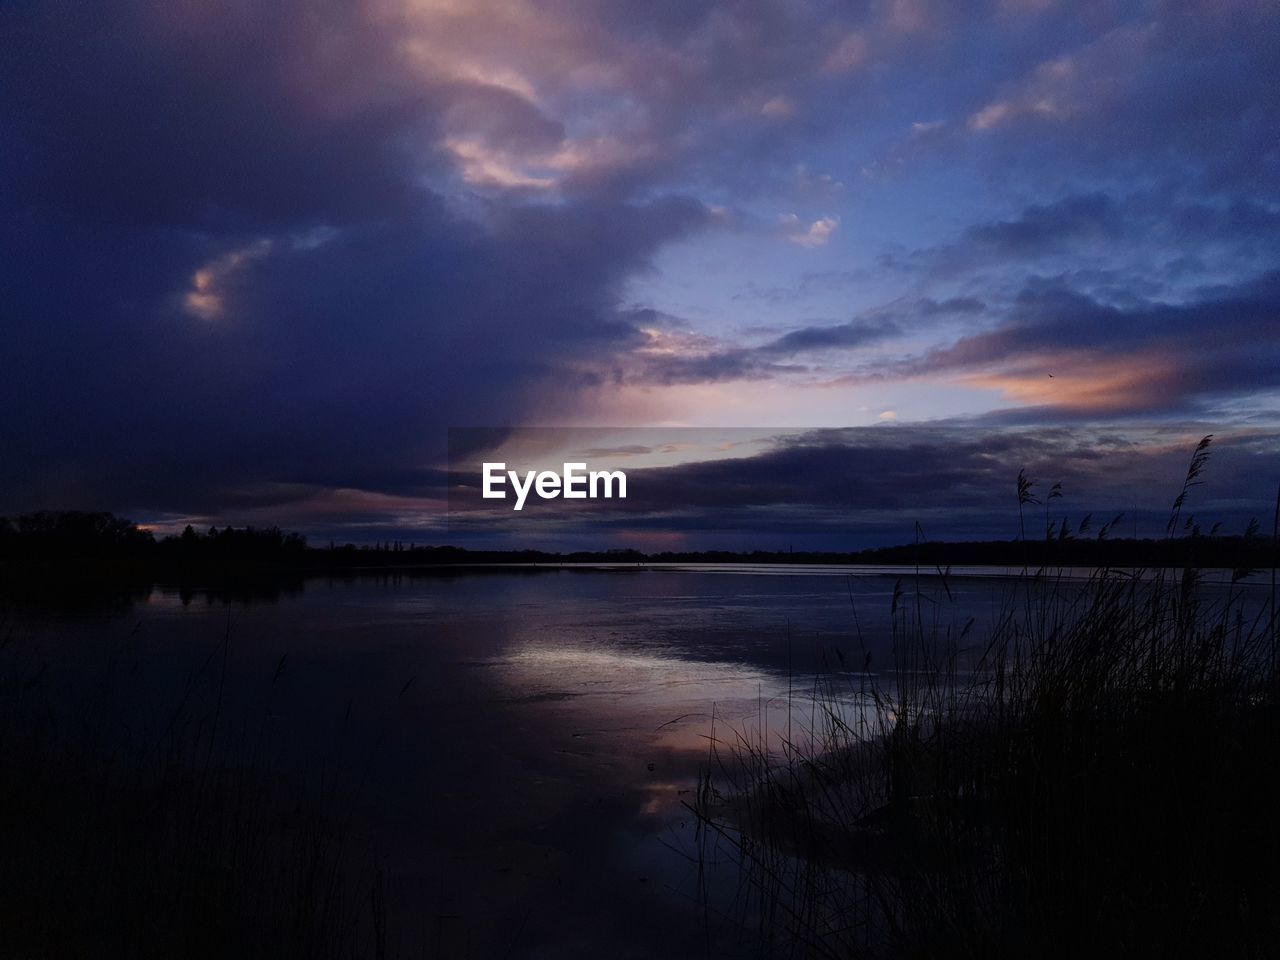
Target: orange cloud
{"type": "Point", "coordinates": [205, 299]}
{"type": "Point", "coordinates": [1083, 381]}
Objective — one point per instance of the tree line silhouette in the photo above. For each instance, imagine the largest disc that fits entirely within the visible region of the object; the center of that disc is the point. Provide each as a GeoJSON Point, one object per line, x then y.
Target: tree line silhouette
{"type": "Point", "coordinates": [98, 544]}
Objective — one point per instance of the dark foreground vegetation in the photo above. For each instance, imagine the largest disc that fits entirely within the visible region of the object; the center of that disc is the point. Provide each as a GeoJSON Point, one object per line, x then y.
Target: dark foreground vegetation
{"type": "Point", "coordinates": [137, 823]}
{"type": "Point", "coordinates": [1098, 778]}
{"type": "Point", "coordinates": [1095, 776]}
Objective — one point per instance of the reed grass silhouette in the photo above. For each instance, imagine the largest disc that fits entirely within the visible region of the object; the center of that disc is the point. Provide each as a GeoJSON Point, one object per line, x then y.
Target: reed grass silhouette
{"type": "Point", "coordinates": [181, 841]}
{"type": "Point", "coordinates": [1094, 776]}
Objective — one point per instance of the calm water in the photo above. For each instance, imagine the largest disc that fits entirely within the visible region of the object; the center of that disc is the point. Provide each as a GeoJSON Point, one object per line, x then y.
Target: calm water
{"type": "Point", "coordinates": [523, 741]}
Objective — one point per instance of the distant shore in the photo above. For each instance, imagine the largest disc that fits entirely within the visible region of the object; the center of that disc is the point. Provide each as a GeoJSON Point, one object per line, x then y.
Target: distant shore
{"type": "Point", "coordinates": [93, 547]}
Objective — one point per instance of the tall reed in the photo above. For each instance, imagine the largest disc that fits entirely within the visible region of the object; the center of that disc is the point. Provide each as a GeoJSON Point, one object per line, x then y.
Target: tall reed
{"type": "Point", "coordinates": [177, 841]}
{"type": "Point", "coordinates": [1096, 775]}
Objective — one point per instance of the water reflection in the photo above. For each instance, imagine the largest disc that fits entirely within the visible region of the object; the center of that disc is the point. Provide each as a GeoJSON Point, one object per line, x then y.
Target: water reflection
{"type": "Point", "coordinates": [523, 743]}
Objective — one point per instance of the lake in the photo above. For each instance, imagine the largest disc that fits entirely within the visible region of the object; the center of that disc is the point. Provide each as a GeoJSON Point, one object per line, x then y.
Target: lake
{"type": "Point", "coordinates": [519, 743]}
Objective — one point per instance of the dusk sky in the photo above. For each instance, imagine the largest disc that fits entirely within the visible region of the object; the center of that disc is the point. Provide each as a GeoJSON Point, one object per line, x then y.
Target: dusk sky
{"type": "Point", "coordinates": [257, 258]}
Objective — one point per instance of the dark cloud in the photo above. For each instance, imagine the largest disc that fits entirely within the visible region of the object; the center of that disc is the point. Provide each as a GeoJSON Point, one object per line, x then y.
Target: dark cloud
{"type": "Point", "coordinates": [1177, 93]}
{"type": "Point", "coordinates": [626, 450]}
{"type": "Point", "coordinates": [712, 362]}
{"type": "Point", "coordinates": [225, 270]}
{"type": "Point", "coordinates": [178, 116]}
{"type": "Point", "coordinates": [837, 336]}
{"type": "Point", "coordinates": [865, 486]}
{"type": "Point", "coordinates": [951, 306]}
{"type": "Point", "coordinates": [1153, 357]}
{"type": "Point", "coordinates": [1047, 227]}
{"type": "Point", "coordinates": [1097, 227]}
{"type": "Point", "coordinates": [709, 361]}
{"type": "Point", "coordinates": [727, 365]}
{"type": "Point", "coordinates": [333, 361]}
